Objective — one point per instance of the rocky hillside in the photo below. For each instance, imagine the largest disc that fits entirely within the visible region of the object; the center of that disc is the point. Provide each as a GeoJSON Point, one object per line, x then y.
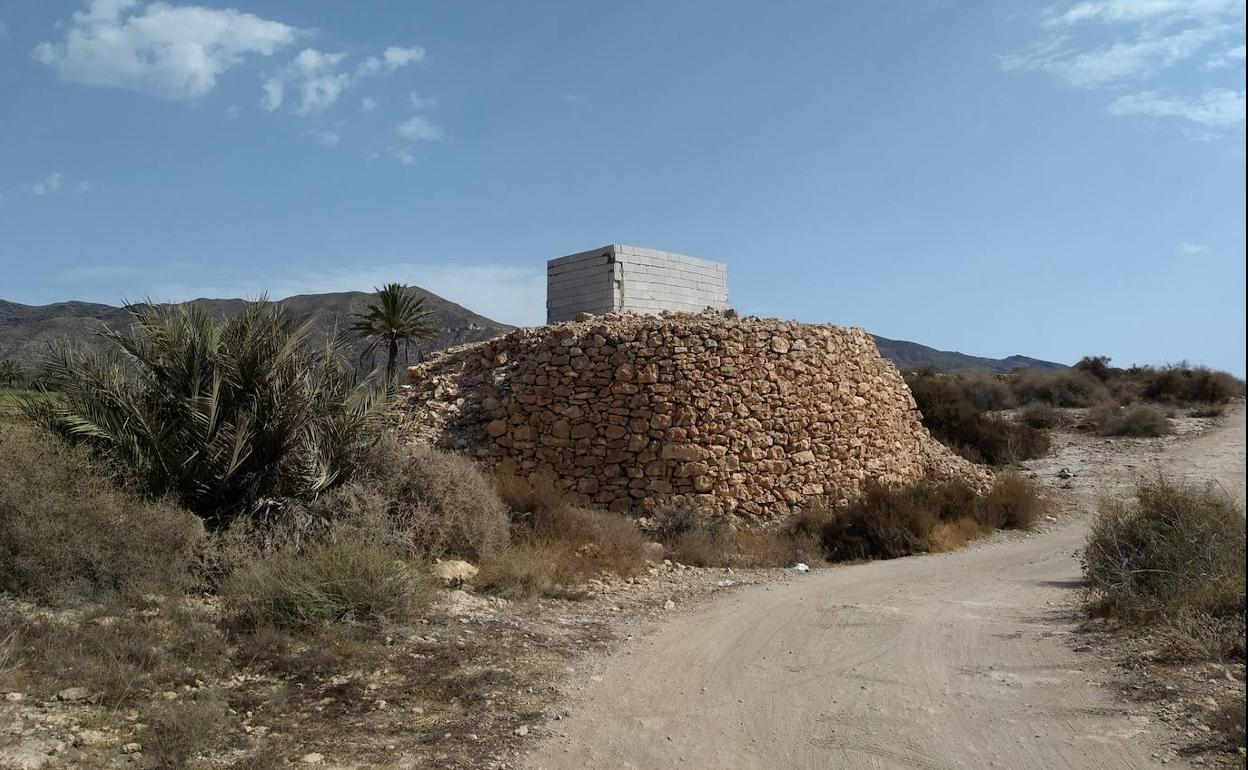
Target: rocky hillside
{"type": "Point", "coordinates": [27, 330]}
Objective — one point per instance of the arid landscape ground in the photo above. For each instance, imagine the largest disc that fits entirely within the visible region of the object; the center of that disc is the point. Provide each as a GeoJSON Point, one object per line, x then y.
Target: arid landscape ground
{"type": "Point", "coordinates": [978, 658]}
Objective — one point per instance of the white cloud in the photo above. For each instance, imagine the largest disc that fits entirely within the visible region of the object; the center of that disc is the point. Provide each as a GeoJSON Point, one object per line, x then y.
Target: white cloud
{"type": "Point", "coordinates": [49, 186]}
{"type": "Point", "coordinates": [1150, 37]}
{"type": "Point", "coordinates": [368, 104]}
{"type": "Point", "coordinates": [174, 52]}
{"type": "Point", "coordinates": [1191, 248]}
{"type": "Point", "coordinates": [419, 102]}
{"type": "Point", "coordinates": [391, 59]}
{"type": "Point", "coordinates": [1140, 11]}
{"type": "Point", "coordinates": [320, 78]}
{"type": "Point", "coordinates": [328, 136]}
{"type": "Point", "coordinates": [1215, 108]}
{"type": "Point", "coordinates": [84, 187]}
{"type": "Point", "coordinates": [418, 128]}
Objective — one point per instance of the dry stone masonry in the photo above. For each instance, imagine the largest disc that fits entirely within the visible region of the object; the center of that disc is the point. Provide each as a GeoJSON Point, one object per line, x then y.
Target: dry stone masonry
{"type": "Point", "coordinates": [755, 417]}
{"type": "Point", "coordinates": [632, 279]}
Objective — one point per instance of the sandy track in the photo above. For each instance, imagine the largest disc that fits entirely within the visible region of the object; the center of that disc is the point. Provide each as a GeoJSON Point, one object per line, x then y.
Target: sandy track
{"type": "Point", "coordinates": [942, 661]}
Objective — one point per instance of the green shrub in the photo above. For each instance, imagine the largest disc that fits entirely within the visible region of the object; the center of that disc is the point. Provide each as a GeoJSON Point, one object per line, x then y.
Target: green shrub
{"type": "Point", "coordinates": [1174, 550]}
{"type": "Point", "coordinates": [69, 535]}
{"type": "Point", "coordinates": [1138, 420]}
{"type": "Point", "coordinates": [956, 422]}
{"type": "Point", "coordinates": [339, 579]}
{"type": "Point", "coordinates": [225, 415]}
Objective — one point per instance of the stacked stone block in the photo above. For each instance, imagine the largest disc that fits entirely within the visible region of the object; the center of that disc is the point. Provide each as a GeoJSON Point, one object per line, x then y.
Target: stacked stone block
{"type": "Point", "coordinates": [753, 417]}
{"type": "Point", "coordinates": [619, 278]}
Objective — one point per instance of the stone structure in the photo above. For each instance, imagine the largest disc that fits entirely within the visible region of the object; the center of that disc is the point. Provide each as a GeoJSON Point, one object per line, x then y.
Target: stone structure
{"type": "Point", "coordinates": [755, 417]}
{"type": "Point", "coordinates": [630, 279]}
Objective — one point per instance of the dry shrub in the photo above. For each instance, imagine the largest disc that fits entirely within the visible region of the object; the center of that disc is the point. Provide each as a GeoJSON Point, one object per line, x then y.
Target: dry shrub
{"type": "Point", "coordinates": [985, 391]}
{"type": "Point", "coordinates": [556, 545]}
{"type": "Point", "coordinates": [1174, 555]}
{"type": "Point", "coordinates": [1043, 417]}
{"type": "Point", "coordinates": [307, 654]}
{"type": "Point", "coordinates": [433, 503]}
{"type": "Point", "coordinates": [956, 422]}
{"type": "Point", "coordinates": [179, 730]}
{"type": "Point", "coordinates": [1137, 420]}
{"type": "Point", "coordinates": [1012, 502]}
{"type": "Point", "coordinates": [949, 536]}
{"type": "Point", "coordinates": [529, 494]}
{"type": "Point", "coordinates": [1229, 723]}
{"type": "Point", "coordinates": [1057, 387]}
{"type": "Point", "coordinates": [1184, 384]}
{"type": "Point", "coordinates": [1198, 636]}
{"type": "Point", "coordinates": [339, 579]}
{"type": "Point", "coordinates": [891, 521]}
{"type": "Point", "coordinates": [1206, 412]}
{"type": "Point", "coordinates": [68, 534]}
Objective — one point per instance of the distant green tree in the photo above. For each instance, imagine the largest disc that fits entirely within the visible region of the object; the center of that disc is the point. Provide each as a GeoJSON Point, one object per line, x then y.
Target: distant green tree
{"type": "Point", "coordinates": [11, 372]}
{"type": "Point", "coordinates": [398, 317]}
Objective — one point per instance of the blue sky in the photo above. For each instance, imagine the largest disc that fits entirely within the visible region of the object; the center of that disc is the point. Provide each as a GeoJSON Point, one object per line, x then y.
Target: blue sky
{"type": "Point", "coordinates": [989, 176]}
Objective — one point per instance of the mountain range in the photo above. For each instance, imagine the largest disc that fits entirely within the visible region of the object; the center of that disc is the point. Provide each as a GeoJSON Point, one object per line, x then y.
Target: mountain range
{"type": "Point", "coordinates": [27, 330]}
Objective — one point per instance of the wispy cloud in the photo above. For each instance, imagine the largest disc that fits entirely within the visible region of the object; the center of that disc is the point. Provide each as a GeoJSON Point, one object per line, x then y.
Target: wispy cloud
{"type": "Point", "coordinates": [1215, 108]}
{"type": "Point", "coordinates": [368, 104]}
{"type": "Point", "coordinates": [415, 129]}
{"type": "Point", "coordinates": [320, 78]}
{"type": "Point", "coordinates": [1149, 38]}
{"type": "Point", "coordinates": [169, 51]}
{"type": "Point", "coordinates": [50, 185]}
{"type": "Point", "coordinates": [1191, 248]}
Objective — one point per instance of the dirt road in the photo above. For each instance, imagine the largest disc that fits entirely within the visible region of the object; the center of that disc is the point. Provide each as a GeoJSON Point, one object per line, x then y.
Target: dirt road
{"type": "Point", "coordinates": [944, 661]}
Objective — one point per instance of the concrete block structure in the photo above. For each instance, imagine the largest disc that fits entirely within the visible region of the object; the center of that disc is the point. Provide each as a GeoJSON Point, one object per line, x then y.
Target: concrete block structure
{"type": "Point", "coordinates": [630, 279]}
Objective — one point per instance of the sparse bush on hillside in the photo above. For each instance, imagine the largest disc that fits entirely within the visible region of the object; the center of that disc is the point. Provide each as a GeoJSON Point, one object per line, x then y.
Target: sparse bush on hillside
{"type": "Point", "coordinates": [68, 534]}
{"type": "Point", "coordinates": [956, 422]}
{"type": "Point", "coordinates": [1010, 503]}
{"type": "Point", "coordinates": [228, 415]}
{"type": "Point", "coordinates": [1175, 555]}
{"type": "Point", "coordinates": [338, 579]}
{"type": "Point", "coordinates": [1139, 420]}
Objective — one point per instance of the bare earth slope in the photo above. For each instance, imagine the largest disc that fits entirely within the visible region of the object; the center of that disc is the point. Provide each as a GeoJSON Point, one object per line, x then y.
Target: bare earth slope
{"type": "Point", "coordinates": [942, 661]}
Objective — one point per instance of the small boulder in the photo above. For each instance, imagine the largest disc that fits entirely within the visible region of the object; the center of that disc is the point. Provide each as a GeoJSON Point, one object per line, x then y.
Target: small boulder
{"type": "Point", "coordinates": [653, 552]}
{"type": "Point", "coordinates": [454, 572]}
{"type": "Point", "coordinates": [73, 694]}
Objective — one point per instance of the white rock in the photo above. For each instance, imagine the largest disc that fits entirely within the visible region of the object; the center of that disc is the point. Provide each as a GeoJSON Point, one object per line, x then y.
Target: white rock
{"type": "Point", "coordinates": [669, 605]}
{"type": "Point", "coordinates": [73, 694]}
{"type": "Point", "coordinates": [801, 567]}
{"type": "Point", "coordinates": [312, 758]}
{"type": "Point", "coordinates": [454, 572]}
{"type": "Point", "coordinates": [132, 748]}
{"type": "Point", "coordinates": [522, 730]}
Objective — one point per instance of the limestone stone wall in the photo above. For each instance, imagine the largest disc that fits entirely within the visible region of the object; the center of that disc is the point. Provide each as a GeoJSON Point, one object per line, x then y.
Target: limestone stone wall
{"type": "Point", "coordinates": [755, 417]}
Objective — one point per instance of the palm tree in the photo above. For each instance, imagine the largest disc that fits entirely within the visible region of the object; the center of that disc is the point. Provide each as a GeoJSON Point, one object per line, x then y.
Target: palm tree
{"type": "Point", "coordinates": [232, 416]}
{"type": "Point", "coordinates": [11, 372]}
{"type": "Point", "coordinates": [398, 317]}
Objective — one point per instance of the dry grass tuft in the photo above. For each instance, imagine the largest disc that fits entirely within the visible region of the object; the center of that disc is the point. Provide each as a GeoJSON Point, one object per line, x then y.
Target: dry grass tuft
{"type": "Point", "coordinates": [179, 730]}
{"type": "Point", "coordinates": [340, 579]}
